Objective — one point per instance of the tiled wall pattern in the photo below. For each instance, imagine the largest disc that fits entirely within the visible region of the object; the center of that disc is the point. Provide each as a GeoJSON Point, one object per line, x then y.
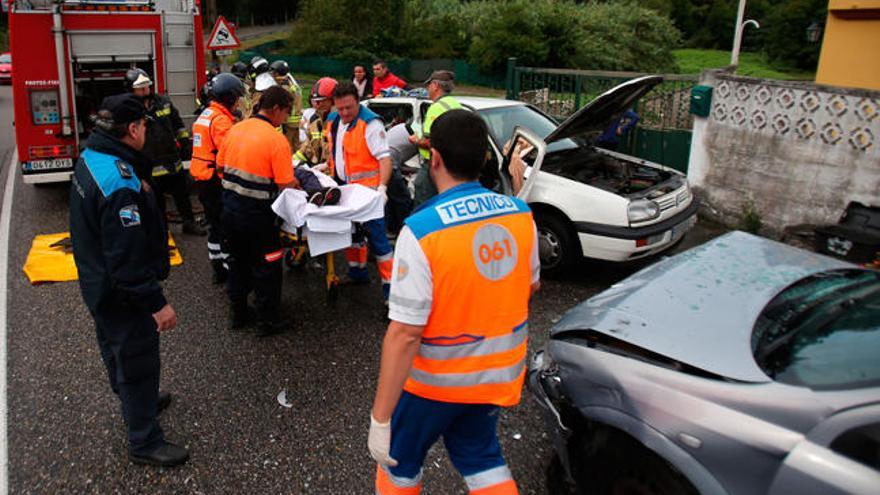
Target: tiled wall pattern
{"type": "Point", "coordinates": [799, 114]}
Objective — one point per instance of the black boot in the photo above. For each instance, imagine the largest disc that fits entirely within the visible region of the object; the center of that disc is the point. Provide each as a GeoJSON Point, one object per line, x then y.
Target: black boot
{"type": "Point", "coordinates": [220, 273]}
{"type": "Point", "coordinates": [241, 317]}
{"type": "Point", "coordinates": [164, 400]}
{"type": "Point", "coordinates": [166, 454]}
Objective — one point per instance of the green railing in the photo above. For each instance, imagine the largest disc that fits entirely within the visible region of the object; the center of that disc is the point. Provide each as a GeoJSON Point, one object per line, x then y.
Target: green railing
{"type": "Point", "coordinates": [663, 133]}
{"type": "Point", "coordinates": [414, 71]}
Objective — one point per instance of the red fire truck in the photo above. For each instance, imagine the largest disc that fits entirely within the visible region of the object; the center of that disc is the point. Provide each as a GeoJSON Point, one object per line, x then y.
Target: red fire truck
{"type": "Point", "coordinates": [70, 54]}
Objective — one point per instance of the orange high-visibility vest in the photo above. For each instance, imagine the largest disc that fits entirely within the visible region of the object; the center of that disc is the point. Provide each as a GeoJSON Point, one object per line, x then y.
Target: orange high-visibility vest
{"type": "Point", "coordinates": [209, 131]}
{"type": "Point", "coordinates": [361, 167]}
{"type": "Point", "coordinates": [478, 245]}
{"type": "Point", "coordinates": [255, 159]}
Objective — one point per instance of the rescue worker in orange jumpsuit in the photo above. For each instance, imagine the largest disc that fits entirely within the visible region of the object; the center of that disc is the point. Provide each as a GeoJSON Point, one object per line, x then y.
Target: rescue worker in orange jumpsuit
{"type": "Point", "coordinates": [466, 264]}
{"type": "Point", "coordinates": [359, 154]}
{"type": "Point", "coordinates": [209, 133]}
{"type": "Point", "coordinates": [257, 163]}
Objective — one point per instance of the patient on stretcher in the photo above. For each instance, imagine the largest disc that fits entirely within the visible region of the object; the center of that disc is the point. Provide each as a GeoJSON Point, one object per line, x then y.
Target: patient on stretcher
{"type": "Point", "coordinates": [319, 193]}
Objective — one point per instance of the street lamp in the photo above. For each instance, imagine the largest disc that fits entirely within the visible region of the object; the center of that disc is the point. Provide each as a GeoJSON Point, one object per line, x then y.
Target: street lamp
{"type": "Point", "coordinates": [814, 32]}
{"type": "Point", "coordinates": [738, 34]}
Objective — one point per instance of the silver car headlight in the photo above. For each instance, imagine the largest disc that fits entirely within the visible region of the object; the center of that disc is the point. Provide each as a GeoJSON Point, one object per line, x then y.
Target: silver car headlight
{"type": "Point", "coordinates": [642, 210]}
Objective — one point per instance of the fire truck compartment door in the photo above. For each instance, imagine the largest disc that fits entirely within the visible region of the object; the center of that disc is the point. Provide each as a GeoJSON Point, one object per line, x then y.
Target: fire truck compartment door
{"type": "Point", "coordinates": [109, 46]}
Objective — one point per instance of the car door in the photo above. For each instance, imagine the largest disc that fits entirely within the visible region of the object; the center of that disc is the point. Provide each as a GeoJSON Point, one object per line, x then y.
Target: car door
{"type": "Point", "coordinates": [840, 455]}
{"type": "Point", "coordinates": [532, 159]}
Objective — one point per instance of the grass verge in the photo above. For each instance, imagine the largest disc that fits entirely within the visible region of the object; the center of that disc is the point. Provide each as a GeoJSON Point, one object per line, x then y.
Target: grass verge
{"type": "Point", "coordinates": [694, 61]}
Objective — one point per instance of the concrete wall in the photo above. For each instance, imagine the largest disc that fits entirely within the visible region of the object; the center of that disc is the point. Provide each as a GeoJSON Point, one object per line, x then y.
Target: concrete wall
{"type": "Point", "coordinates": [798, 152]}
{"type": "Point", "coordinates": [851, 45]}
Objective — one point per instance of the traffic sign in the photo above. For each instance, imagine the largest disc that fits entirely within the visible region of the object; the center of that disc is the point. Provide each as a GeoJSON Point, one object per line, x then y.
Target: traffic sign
{"type": "Point", "coordinates": [223, 36]}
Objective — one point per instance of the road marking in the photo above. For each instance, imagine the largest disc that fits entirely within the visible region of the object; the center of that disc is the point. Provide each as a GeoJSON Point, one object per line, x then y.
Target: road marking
{"type": "Point", "coordinates": [5, 224]}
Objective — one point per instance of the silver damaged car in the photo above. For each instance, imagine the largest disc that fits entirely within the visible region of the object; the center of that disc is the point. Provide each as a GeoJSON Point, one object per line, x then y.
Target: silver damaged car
{"type": "Point", "coordinates": [742, 366]}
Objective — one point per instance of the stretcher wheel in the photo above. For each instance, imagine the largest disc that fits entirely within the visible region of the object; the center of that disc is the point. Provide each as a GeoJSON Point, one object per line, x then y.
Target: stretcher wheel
{"type": "Point", "coordinates": [333, 293]}
{"type": "Point", "coordinates": [295, 260]}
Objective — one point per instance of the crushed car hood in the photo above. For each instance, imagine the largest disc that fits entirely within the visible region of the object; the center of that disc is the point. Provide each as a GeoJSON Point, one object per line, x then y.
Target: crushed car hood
{"type": "Point", "coordinates": [699, 307]}
{"type": "Point", "coordinates": [607, 107]}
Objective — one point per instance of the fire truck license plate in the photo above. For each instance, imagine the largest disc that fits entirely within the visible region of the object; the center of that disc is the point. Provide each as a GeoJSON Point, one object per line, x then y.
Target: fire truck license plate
{"type": "Point", "coordinates": [49, 164]}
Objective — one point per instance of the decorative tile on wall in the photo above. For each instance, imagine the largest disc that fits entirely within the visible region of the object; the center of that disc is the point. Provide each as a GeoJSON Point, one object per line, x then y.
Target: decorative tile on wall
{"type": "Point", "coordinates": [811, 115]}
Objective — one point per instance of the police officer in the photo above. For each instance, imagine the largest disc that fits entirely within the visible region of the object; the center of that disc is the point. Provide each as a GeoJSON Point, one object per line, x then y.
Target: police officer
{"type": "Point", "coordinates": [256, 162]}
{"type": "Point", "coordinates": [167, 141]}
{"type": "Point", "coordinates": [465, 267]}
{"type": "Point", "coordinates": [281, 73]}
{"type": "Point", "coordinates": [209, 133]}
{"type": "Point", "coordinates": [120, 247]}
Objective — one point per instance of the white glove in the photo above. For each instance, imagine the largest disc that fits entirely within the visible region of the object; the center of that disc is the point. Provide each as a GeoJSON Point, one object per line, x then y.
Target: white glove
{"type": "Point", "coordinates": [383, 190]}
{"type": "Point", "coordinates": [321, 167]}
{"type": "Point", "coordinates": [379, 442]}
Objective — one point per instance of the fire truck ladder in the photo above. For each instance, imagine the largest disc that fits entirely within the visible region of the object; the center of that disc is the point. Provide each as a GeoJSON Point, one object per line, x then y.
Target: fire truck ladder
{"type": "Point", "coordinates": [180, 62]}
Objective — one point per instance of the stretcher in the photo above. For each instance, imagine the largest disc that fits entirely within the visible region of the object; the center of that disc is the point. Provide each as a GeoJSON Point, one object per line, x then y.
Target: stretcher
{"type": "Point", "coordinates": [310, 231]}
{"type": "Point", "coordinates": [296, 256]}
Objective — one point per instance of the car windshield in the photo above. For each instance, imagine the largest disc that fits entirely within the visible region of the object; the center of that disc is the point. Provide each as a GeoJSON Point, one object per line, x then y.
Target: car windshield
{"type": "Point", "coordinates": [503, 120]}
{"type": "Point", "coordinates": [5, 59]}
{"type": "Point", "coordinates": [823, 332]}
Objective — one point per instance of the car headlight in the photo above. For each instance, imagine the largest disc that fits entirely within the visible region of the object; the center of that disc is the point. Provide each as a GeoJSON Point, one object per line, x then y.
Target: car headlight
{"type": "Point", "coordinates": [642, 210]}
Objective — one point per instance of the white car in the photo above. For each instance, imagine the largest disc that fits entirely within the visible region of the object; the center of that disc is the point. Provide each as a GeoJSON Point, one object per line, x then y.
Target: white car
{"type": "Point", "coordinates": [587, 201]}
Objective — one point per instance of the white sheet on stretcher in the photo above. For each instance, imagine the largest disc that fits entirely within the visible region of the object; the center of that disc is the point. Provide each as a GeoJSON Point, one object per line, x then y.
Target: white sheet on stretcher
{"type": "Point", "coordinates": [328, 228]}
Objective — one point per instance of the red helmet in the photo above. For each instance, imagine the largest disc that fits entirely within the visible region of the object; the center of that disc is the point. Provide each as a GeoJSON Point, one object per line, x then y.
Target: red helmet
{"type": "Point", "coordinates": [323, 88]}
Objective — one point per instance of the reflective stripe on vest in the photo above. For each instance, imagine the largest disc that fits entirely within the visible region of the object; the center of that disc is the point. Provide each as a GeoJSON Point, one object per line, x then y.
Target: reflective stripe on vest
{"type": "Point", "coordinates": [481, 347]}
{"type": "Point", "coordinates": [204, 154]}
{"type": "Point", "coordinates": [478, 245]}
{"type": "Point", "coordinates": [248, 184]}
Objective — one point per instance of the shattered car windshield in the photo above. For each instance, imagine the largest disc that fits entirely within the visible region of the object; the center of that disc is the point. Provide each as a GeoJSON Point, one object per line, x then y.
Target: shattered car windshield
{"type": "Point", "coordinates": [503, 120]}
{"type": "Point", "coordinates": [823, 332]}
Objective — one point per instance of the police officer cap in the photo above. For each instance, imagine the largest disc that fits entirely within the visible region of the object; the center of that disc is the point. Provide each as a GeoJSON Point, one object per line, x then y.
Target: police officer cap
{"type": "Point", "coordinates": [124, 108]}
{"type": "Point", "coordinates": [441, 75]}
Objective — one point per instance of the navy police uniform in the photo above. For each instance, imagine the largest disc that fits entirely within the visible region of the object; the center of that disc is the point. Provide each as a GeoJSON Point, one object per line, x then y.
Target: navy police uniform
{"type": "Point", "coordinates": [120, 248]}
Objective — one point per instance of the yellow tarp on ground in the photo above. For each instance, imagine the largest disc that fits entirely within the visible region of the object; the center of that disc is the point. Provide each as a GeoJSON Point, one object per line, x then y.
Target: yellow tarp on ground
{"type": "Point", "coordinates": [55, 264]}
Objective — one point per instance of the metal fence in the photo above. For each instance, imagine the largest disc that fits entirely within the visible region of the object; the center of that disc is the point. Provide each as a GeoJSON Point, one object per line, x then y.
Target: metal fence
{"type": "Point", "coordinates": [561, 92]}
{"type": "Point", "coordinates": [664, 131]}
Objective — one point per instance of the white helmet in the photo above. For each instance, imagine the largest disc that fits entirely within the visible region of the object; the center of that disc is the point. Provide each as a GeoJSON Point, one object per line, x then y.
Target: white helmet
{"type": "Point", "coordinates": [264, 81]}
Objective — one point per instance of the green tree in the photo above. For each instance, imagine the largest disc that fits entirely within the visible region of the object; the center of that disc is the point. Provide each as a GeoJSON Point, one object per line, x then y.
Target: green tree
{"type": "Point", "coordinates": [786, 27]}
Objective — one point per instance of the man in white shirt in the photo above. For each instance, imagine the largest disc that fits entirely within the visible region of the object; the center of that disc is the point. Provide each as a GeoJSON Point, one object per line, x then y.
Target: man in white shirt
{"type": "Point", "coordinates": [360, 155]}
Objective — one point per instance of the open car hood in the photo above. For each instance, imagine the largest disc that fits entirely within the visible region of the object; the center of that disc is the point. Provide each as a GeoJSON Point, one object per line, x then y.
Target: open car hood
{"type": "Point", "coordinates": [605, 109]}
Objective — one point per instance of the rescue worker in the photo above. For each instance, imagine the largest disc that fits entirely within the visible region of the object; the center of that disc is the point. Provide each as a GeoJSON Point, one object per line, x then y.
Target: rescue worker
{"type": "Point", "coordinates": [455, 350]}
{"type": "Point", "coordinates": [167, 142]}
{"type": "Point", "coordinates": [120, 247]}
{"type": "Point", "coordinates": [360, 155]}
{"type": "Point", "coordinates": [239, 70]}
{"type": "Point", "coordinates": [281, 73]}
{"type": "Point", "coordinates": [256, 162]}
{"type": "Point", "coordinates": [209, 134]}
{"type": "Point", "coordinates": [315, 148]}
{"type": "Point", "coordinates": [440, 85]}
{"type": "Point", "coordinates": [257, 67]}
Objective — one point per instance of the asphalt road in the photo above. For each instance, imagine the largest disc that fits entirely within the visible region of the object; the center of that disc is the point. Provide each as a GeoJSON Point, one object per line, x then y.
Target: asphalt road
{"type": "Point", "coordinates": [64, 424]}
